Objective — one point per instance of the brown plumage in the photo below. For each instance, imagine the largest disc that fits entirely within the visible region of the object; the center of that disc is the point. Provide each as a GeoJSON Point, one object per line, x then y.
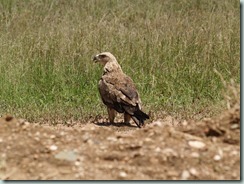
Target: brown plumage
{"type": "Point", "coordinates": [118, 91]}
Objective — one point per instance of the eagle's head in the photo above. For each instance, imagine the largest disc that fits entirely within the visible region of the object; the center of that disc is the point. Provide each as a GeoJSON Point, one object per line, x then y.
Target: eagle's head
{"type": "Point", "coordinates": [108, 61]}
{"type": "Point", "coordinates": [104, 57]}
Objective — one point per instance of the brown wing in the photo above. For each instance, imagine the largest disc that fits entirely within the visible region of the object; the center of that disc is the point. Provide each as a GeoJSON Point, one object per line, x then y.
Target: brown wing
{"type": "Point", "coordinates": [119, 92]}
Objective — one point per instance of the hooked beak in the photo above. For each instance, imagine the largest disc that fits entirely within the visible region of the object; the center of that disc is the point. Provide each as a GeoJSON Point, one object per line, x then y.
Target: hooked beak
{"type": "Point", "coordinates": [95, 58]}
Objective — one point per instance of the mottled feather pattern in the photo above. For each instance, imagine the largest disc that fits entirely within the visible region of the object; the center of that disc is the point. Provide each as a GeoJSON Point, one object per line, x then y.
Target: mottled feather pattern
{"type": "Point", "coordinates": [118, 92]}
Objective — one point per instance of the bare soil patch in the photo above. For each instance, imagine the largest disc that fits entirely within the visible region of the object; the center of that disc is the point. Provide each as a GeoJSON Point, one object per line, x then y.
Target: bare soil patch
{"type": "Point", "coordinates": [165, 149]}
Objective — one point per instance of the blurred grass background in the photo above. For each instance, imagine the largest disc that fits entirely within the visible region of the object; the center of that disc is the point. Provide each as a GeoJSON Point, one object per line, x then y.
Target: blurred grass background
{"type": "Point", "coordinates": [169, 48]}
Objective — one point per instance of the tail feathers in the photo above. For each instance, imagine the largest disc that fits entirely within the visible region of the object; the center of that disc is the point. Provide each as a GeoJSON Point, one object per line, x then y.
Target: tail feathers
{"type": "Point", "coordinates": [139, 116]}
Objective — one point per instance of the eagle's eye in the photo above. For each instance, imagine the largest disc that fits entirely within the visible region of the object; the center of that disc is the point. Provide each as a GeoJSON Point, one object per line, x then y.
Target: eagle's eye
{"type": "Point", "coordinates": [102, 56]}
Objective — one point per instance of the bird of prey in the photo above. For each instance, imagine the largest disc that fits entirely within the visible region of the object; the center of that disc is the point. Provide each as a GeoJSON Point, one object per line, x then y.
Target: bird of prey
{"type": "Point", "coordinates": [118, 92]}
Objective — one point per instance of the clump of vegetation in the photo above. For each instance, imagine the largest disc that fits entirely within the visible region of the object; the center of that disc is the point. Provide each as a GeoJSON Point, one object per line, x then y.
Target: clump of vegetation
{"type": "Point", "coordinates": [169, 48]}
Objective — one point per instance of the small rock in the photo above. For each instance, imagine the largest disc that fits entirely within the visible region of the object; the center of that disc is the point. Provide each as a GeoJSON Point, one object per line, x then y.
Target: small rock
{"type": "Point", "coordinates": [158, 149]}
{"type": "Point", "coordinates": [26, 123]}
{"type": "Point", "coordinates": [21, 121]}
{"type": "Point", "coordinates": [207, 119]}
{"type": "Point", "coordinates": [234, 126]}
{"type": "Point", "coordinates": [35, 156]}
{"type": "Point", "coordinates": [121, 147]}
{"type": "Point", "coordinates": [53, 147]}
{"type": "Point", "coordinates": [185, 175]}
{"type": "Point", "coordinates": [77, 163]}
{"type": "Point", "coordinates": [184, 123]}
{"type": "Point", "coordinates": [68, 155]}
{"type": "Point", "coordinates": [69, 122]}
{"type": "Point", "coordinates": [1, 140]}
{"type": "Point", "coordinates": [157, 123]}
{"type": "Point", "coordinates": [214, 139]}
{"type": "Point", "coordinates": [90, 142]}
{"type": "Point", "coordinates": [122, 174]}
{"type": "Point", "coordinates": [52, 136]}
{"type": "Point", "coordinates": [62, 133]}
{"type": "Point", "coordinates": [92, 128]}
{"type": "Point", "coordinates": [196, 144]}
{"type": "Point", "coordinates": [172, 173]}
{"type": "Point", "coordinates": [85, 137]}
{"type": "Point", "coordinates": [113, 139]}
{"type": "Point", "coordinates": [195, 155]}
{"type": "Point", "coordinates": [103, 147]}
{"type": "Point", "coordinates": [110, 166]}
{"type": "Point", "coordinates": [233, 153]}
{"type": "Point", "coordinates": [37, 138]}
{"type": "Point", "coordinates": [217, 157]}
{"type": "Point", "coordinates": [169, 152]}
{"type": "Point", "coordinates": [2, 165]}
{"type": "Point", "coordinates": [220, 152]}
{"type": "Point", "coordinates": [147, 139]}
{"type": "Point", "coordinates": [154, 160]}
{"type": "Point", "coordinates": [126, 159]}
{"type": "Point", "coordinates": [234, 175]}
{"type": "Point", "coordinates": [193, 172]}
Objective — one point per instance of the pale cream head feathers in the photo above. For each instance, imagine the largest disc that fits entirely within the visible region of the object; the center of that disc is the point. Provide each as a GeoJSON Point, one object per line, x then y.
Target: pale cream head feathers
{"type": "Point", "coordinates": [108, 61]}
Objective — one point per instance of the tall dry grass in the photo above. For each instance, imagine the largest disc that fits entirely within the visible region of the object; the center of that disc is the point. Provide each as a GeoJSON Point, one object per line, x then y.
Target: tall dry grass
{"type": "Point", "coordinates": [170, 49]}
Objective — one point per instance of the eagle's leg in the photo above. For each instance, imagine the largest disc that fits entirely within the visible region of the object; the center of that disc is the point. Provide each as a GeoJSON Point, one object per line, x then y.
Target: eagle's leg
{"type": "Point", "coordinates": [136, 121]}
{"type": "Point", "coordinates": [127, 118]}
{"type": "Point", "coordinates": [111, 115]}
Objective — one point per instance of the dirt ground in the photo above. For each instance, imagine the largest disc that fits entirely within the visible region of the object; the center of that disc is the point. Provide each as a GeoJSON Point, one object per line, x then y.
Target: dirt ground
{"type": "Point", "coordinates": [165, 149]}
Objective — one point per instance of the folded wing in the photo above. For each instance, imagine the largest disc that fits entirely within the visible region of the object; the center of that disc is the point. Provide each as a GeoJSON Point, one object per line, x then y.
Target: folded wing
{"type": "Point", "coordinates": [119, 92]}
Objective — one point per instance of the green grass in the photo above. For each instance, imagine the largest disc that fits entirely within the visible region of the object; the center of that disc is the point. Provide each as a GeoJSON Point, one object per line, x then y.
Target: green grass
{"type": "Point", "coordinates": [169, 48]}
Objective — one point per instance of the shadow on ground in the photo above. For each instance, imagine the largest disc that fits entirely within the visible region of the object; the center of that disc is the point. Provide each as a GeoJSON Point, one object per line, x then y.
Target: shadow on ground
{"type": "Point", "coordinates": [119, 124]}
